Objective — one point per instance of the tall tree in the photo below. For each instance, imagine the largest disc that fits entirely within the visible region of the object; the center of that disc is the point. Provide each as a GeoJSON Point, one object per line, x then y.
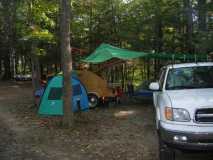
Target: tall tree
{"type": "Point", "coordinates": [202, 15]}
{"type": "Point", "coordinates": [66, 60]}
{"type": "Point", "coordinates": [9, 12]}
{"type": "Point", "coordinates": [189, 24]}
{"type": "Point", "coordinates": [158, 27]}
{"type": "Point", "coordinates": [36, 76]}
{"type": "Point", "coordinates": [202, 26]}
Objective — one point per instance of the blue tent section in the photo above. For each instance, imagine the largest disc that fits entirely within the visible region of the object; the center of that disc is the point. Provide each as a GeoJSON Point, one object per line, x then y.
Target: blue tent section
{"type": "Point", "coordinates": [144, 93]}
{"type": "Point", "coordinates": [52, 103]}
{"type": "Point", "coordinates": [143, 90]}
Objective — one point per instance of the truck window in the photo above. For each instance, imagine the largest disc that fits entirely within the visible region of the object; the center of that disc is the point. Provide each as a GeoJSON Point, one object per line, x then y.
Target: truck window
{"type": "Point", "coordinates": [190, 78]}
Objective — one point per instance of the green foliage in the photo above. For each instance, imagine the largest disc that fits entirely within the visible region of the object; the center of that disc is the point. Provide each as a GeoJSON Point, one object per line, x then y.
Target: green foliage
{"type": "Point", "coordinates": [143, 25]}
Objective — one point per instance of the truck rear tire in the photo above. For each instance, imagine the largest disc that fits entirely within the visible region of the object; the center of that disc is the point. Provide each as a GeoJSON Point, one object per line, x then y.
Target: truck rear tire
{"type": "Point", "coordinates": [165, 152]}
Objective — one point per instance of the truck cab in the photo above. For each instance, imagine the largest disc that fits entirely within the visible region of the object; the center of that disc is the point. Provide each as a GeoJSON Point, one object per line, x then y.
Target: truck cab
{"type": "Point", "coordinates": [183, 101]}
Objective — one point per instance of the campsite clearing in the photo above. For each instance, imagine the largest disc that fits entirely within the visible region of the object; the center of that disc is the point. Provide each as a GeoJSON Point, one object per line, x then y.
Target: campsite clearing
{"type": "Point", "coordinates": [125, 132]}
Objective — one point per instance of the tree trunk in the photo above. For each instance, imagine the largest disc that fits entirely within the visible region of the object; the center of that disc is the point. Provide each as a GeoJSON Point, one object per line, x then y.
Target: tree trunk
{"type": "Point", "coordinates": [7, 71]}
{"type": "Point", "coordinates": [0, 66]}
{"type": "Point", "coordinates": [189, 25]}
{"type": "Point", "coordinates": [9, 8]}
{"type": "Point", "coordinates": [90, 26]}
{"type": "Point", "coordinates": [12, 40]}
{"type": "Point", "coordinates": [148, 69]}
{"type": "Point", "coordinates": [16, 63]}
{"type": "Point", "coordinates": [123, 77]}
{"type": "Point", "coordinates": [202, 25]}
{"type": "Point", "coordinates": [56, 68]}
{"type": "Point", "coordinates": [158, 34]}
{"type": "Point", "coordinates": [202, 15]}
{"type": "Point", "coordinates": [66, 59]}
{"type": "Point", "coordinates": [158, 37]}
{"type": "Point", "coordinates": [36, 75]}
{"type": "Point", "coordinates": [23, 64]}
{"type": "Point", "coordinates": [41, 70]}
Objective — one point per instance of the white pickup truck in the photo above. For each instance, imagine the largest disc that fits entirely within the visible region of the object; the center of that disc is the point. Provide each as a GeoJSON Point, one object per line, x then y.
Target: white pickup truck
{"type": "Point", "coordinates": [183, 101]}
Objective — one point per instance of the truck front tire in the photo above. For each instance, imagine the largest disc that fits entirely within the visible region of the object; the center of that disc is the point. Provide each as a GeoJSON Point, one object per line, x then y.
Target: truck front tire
{"type": "Point", "coordinates": [165, 152]}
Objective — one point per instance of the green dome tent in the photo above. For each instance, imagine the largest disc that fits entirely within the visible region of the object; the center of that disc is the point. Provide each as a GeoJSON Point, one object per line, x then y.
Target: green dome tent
{"type": "Point", "coordinates": [52, 103]}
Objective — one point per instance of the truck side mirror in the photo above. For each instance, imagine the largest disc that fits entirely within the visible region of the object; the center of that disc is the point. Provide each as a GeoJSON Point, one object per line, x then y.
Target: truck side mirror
{"type": "Point", "coordinates": [154, 86]}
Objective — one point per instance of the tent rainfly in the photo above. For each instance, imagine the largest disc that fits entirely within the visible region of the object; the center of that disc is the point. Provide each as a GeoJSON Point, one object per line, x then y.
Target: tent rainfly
{"type": "Point", "coordinates": [106, 52]}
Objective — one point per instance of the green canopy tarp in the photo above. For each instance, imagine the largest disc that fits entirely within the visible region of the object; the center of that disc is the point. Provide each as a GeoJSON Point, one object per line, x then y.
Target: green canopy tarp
{"type": "Point", "coordinates": [178, 56]}
{"type": "Point", "coordinates": [106, 52]}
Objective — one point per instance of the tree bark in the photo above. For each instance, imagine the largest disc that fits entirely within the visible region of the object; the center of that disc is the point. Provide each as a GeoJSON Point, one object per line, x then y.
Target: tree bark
{"type": "Point", "coordinates": [56, 67]}
{"type": "Point", "coordinates": [202, 15]}
{"type": "Point", "coordinates": [202, 25]}
{"type": "Point", "coordinates": [189, 25]}
{"type": "Point", "coordinates": [90, 26]}
{"type": "Point", "coordinates": [0, 66]}
{"type": "Point", "coordinates": [158, 36]}
{"type": "Point", "coordinates": [41, 70]}
{"type": "Point", "coordinates": [36, 75]}
{"type": "Point", "coordinates": [66, 59]}
{"type": "Point", "coordinates": [23, 64]}
{"type": "Point", "coordinates": [35, 67]}
{"type": "Point", "coordinates": [9, 8]}
{"type": "Point", "coordinates": [7, 71]}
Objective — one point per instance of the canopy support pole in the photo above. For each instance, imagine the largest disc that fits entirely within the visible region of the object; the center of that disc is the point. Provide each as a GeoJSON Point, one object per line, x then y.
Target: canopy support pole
{"type": "Point", "coordinates": [195, 58]}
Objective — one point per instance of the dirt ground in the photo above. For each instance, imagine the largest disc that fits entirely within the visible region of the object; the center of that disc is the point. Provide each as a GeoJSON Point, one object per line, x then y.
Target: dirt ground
{"type": "Point", "coordinates": [125, 132]}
